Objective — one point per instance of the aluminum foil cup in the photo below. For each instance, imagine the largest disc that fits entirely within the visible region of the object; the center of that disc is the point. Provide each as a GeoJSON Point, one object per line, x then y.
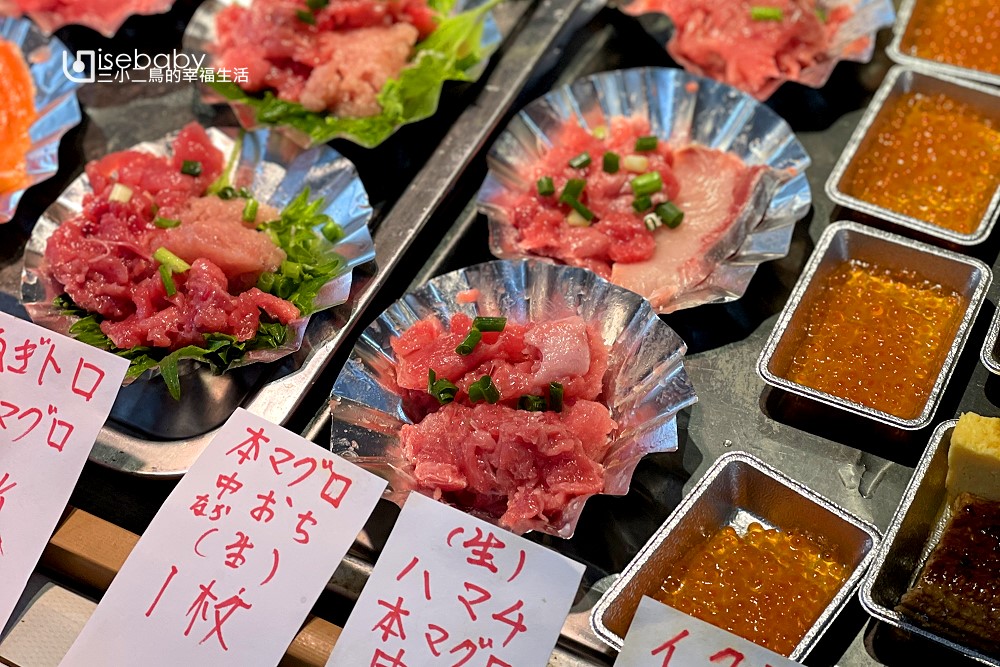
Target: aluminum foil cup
{"type": "Point", "coordinates": [908, 56]}
{"type": "Point", "coordinates": [278, 171]}
{"type": "Point", "coordinates": [106, 20]}
{"type": "Point", "coordinates": [898, 82]}
{"type": "Point", "coordinates": [844, 241]}
{"type": "Point", "coordinates": [988, 353]}
{"type": "Point", "coordinates": [737, 490]}
{"type": "Point", "coordinates": [854, 41]}
{"type": "Point", "coordinates": [55, 101]}
{"type": "Point", "coordinates": [200, 38]}
{"type": "Point", "coordinates": [912, 535]}
{"type": "Point", "coordinates": [682, 109]}
{"type": "Point", "coordinates": [645, 384]}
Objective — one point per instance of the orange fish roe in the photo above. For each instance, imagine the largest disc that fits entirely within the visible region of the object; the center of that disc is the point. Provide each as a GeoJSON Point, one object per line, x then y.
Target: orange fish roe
{"type": "Point", "coordinates": [17, 113]}
{"type": "Point", "coordinates": [965, 33]}
{"type": "Point", "coordinates": [931, 158]}
{"type": "Point", "coordinates": [767, 586]}
{"type": "Point", "coordinates": [877, 337]}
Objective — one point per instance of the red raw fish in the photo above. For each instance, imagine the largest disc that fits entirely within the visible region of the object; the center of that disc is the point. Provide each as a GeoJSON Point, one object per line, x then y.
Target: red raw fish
{"type": "Point", "coordinates": [104, 16]}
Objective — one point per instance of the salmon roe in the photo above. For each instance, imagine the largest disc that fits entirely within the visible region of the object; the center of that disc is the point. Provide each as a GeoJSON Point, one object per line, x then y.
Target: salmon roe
{"type": "Point", "coordinates": [965, 33]}
{"type": "Point", "coordinates": [768, 586]}
{"type": "Point", "coordinates": [877, 336]}
{"type": "Point", "coordinates": [931, 158]}
{"type": "Point", "coordinates": [17, 113]}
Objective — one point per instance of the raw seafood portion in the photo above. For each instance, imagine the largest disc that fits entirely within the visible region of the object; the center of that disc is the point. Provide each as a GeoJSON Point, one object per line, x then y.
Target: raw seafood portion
{"type": "Point", "coordinates": [104, 16]}
{"type": "Point", "coordinates": [17, 113]}
{"type": "Point", "coordinates": [930, 157]}
{"type": "Point", "coordinates": [712, 192]}
{"type": "Point", "coordinates": [749, 44]}
{"type": "Point", "coordinates": [964, 33]}
{"type": "Point", "coordinates": [336, 58]}
{"type": "Point", "coordinates": [517, 466]}
{"type": "Point", "coordinates": [958, 588]}
{"type": "Point", "coordinates": [104, 257]}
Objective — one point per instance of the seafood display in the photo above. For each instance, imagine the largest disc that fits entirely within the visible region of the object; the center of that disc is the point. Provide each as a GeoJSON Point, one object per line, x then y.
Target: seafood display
{"type": "Point", "coordinates": [961, 33]}
{"type": "Point", "coordinates": [104, 16]}
{"type": "Point", "coordinates": [18, 113]}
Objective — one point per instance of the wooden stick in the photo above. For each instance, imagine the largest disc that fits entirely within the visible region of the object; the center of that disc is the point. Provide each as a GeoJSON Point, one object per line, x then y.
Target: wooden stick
{"type": "Point", "coordinates": [89, 551]}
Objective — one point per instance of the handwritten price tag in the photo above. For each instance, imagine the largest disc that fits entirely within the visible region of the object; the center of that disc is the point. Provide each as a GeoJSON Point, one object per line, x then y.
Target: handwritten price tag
{"type": "Point", "coordinates": [236, 557]}
{"type": "Point", "coordinates": [661, 636]}
{"type": "Point", "coordinates": [55, 395]}
{"type": "Point", "coordinates": [450, 589]}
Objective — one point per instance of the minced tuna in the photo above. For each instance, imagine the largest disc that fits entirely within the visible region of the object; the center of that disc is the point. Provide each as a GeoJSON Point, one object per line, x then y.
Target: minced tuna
{"type": "Point", "coordinates": [103, 256]}
{"type": "Point", "coordinates": [518, 467]}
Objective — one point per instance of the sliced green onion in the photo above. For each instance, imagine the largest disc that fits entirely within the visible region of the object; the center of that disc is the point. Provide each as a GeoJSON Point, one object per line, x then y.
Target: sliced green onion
{"type": "Point", "coordinates": [581, 161]}
{"type": "Point", "coordinates": [652, 222]}
{"type": "Point", "coordinates": [442, 390]}
{"type": "Point", "coordinates": [600, 132]}
{"type": "Point", "coordinates": [555, 397]}
{"type": "Point", "coordinates": [647, 184]}
{"type": "Point", "coordinates": [317, 5]}
{"type": "Point", "coordinates": [644, 144]}
{"type": "Point", "coordinates": [581, 208]}
{"type": "Point", "coordinates": [250, 210]}
{"type": "Point", "coordinates": [191, 168]}
{"type": "Point", "coordinates": [291, 270]}
{"type": "Point", "coordinates": [767, 13]}
{"type": "Point", "coordinates": [120, 193]}
{"type": "Point", "coordinates": [531, 403]}
{"type": "Point", "coordinates": [168, 280]}
{"type": "Point", "coordinates": [483, 389]}
{"type": "Point", "coordinates": [306, 17]}
{"type": "Point", "coordinates": [243, 193]}
{"type": "Point", "coordinates": [332, 232]}
{"type": "Point", "coordinates": [635, 163]}
{"type": "Point", "coordinates": [574, 219]}
{"type": "Point", "coordinates": [227, 192]}
{"type": "Point", "coordinates": [469, 344]}
{"type": "Point", "coordinates": [170, 260]}
{"type": "Point", "coordinates": [490, 323]}
{"type": "Point", "coordinates": [154, 208]}
{"type": "Point", "coordinates": [821, 14]}
{"type": "Point", "coordinates": [546, 187]}
{"type": "Point", "coordinates": [670, 214]}
{"type": "Point", "coordinates": [573, 190]}
{"type": "Point", "coordinates": [611, 161]}
{"type": "Point", "coordinates": [643, 203]}
{"type": "Point", "coordinates": [166, 223]}
{"type": "Point", "coordinates": [266, 282]}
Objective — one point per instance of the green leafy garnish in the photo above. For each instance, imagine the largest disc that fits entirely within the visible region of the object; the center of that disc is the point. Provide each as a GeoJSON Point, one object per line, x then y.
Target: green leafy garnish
{"type": "Point", "coordinates": [483, 389]}
{"type": "Point", "coordinates": [443, 390]}
{"type": "Point", "coordinates": [448, 54]}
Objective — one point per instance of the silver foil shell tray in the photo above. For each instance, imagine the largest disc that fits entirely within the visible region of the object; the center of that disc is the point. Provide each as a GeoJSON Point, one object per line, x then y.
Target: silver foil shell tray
{"type": "Point", "coordinates": [644, 387]}
{"type": "Point", "coordinates": [681, 108]}
{"type": "Point", "coordinates": [899, 81]}
{"type": "Point", "coordinates": [737, 490]}
{"type": "Point", "coordinates": [844, 241]}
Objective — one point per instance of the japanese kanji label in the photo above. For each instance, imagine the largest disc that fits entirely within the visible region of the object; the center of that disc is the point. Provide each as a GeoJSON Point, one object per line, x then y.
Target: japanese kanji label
{"type": "Point", "coordinates": [236, 557]}
{"type": "Point", "coordinates": [661, 636]}
{"type": "Point", "coordinates": [452, 590]}
{"type": "Point", "coordinates": [55, 395]}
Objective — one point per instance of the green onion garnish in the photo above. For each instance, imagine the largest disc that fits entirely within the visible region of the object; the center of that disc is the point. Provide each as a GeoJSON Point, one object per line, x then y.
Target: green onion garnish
{"type": "Point", "coordinates": [250, 210]}
{"type": "Point", "coordinates": [647, 184]}
{"type": "Point", "coordinates": [670, 214]}
{"type": "Point", "coordinates": [191, 168]}
{"type": "Point", "coordinates": [170, 260]}
{"type": "Point", "coordinates": [168, 280]}
{"type": "Point", "coordinates": [227, 192]}
{"type": "Point", "coordinates": [600, 132]}
{"type": "Point", "coordinates": [490, 323]}
{"type": "Point", "coordinates": [643, 144]}
{"type": "Point", "coordinates": [555, 396]}
{"type": "Point", "coordinates": [243, 193]}
{"type": "Point", "coordinates": [582, 209]}
{"type": "Point", "coordinates": [643, 203]}
{"type": "Point", "coordinates": [767, 13]}
{"type": "Point", "coordinates": [166, 223]}
{"type": "Point", "coordinates": [581, 161]}
{"type": "Point", "coordinates": [332, 232]}
{"type": "Point", "coordinates": [531, 403]}
{"type": "Point", "coordinates": [266, 282]}
{"type": "Point", "coordinates": [306, 17]}
{"type": "Point", "coordinates": [120, 193]}
{"type": "Point", "coordinates": [611, 162]}
{"type": "Point", "coordinates": [469, 344]}
{"type": "Point", "coordinates": [317, 5]}
{"type": "Point", "coordinates": [573, 190]}
{"type": "Point", "coordinates": [546, 187]}
{"type": "Point", "coordinates": [291, 270]}
{"type": "Point", "coordinates": [483, 389]}
{"type": "Point", "coordinates": [821, 14]}
{"type": "Point", "coordinates": [442, 390]}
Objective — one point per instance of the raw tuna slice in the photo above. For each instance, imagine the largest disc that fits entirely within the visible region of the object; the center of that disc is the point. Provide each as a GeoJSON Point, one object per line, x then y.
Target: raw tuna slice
{"type": "Point", "coordinates": [717, 191]}
{"type": "Point", "coordinates": [104, 16]}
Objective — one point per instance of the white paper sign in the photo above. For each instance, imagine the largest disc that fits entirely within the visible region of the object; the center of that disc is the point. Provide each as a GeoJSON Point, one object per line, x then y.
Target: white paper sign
{"type": "Point", "coordinates": [234, 560]}
{"type": "Point", "coordinates": [450, 589]}
{"type": "Point", "coordinates": [55, 395]}
{"type": "Point", "coordinates": [661, 636]}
